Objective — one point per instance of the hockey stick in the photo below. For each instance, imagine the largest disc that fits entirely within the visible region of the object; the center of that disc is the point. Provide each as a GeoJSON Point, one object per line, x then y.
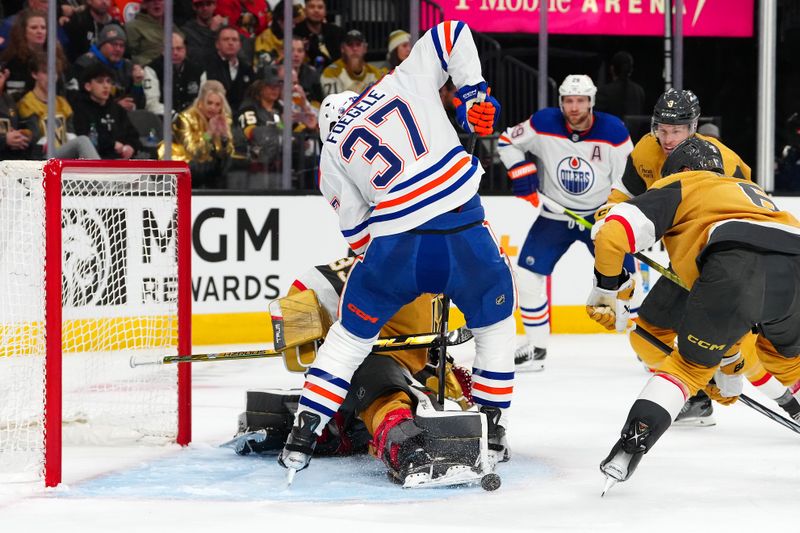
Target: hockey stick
{"type": "Point", "coordinates": [473, 137]}
{"type": "Point", "coordinates": [749, 402]}
{"type": "Point", "coordinates": [442, 348]}
{"type": "Point", "coordinates": [384, 344]}
{"type": "Point", "coordinates": [664, 271]}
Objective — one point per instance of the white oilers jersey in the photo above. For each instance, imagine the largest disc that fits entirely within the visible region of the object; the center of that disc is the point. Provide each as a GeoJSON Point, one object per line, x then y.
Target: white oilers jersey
{"type": "Point", "coordinates": [576, 170]}
{"type": "Point", "coordinates": [394, 161]}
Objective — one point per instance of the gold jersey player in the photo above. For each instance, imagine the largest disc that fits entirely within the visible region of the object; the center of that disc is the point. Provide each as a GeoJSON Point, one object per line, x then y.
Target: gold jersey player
{"type": "Point", "coordinates": [674, 120]}
{"type": "Point", "coordinates": [388, 407]}
{"type": "Point", "coordinates": [739, 254]}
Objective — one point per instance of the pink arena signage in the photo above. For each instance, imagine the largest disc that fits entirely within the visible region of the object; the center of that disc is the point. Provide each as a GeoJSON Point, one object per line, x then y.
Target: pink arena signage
{"type": "Point", "coordinates": [702, 18]}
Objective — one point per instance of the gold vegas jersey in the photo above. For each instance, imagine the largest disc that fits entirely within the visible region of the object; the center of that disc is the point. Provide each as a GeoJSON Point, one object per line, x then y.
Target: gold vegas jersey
{"type": "Point", "coordinates": [694, 212]}
{"type": "Point", "coordinates": [643, 168]}
{"type": "Point", "coordinates": [30, 105]}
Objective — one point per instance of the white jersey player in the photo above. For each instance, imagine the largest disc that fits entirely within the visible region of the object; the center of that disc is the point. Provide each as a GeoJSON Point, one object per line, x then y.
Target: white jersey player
{"type": "Point", "coordinates": [580, 152]}
{"type": "Point", "coordinates": [405, 191]}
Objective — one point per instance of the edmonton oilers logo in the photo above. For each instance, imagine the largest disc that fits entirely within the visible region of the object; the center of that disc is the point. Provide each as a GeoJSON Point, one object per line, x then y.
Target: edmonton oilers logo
{"type": "Point", "coordinates": [575, 175]}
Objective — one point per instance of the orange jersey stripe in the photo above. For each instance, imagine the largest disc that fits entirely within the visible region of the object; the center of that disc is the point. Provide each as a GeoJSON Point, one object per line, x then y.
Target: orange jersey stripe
{"type": "Point", "coordinates": [448, 44]}
{"type": "Point", "coordinates": [492, 390]}
{"type": "Point", "coordinates": [359, 243]}
{"type": "Point", "coordinates": [425, 188]}
{"type": "Point", "coordinates": [323, 392]}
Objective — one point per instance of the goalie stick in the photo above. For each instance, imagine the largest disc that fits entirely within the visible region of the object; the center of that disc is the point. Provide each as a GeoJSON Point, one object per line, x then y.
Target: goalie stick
{"type": "Point", "coordinates": [664, 271]}
{"type": "Point", "coordinates": [384, 344]}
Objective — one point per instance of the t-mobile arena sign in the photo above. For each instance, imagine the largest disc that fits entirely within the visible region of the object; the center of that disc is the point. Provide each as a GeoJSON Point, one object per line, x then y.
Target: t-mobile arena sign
{"type": "Point", "coordinates": [701, 18]}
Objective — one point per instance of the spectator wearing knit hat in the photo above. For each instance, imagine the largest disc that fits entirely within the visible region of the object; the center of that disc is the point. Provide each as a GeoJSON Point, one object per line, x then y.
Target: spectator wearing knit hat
{"type": "Point", "coordinates": [398, 48]}
{"type": "Point", "coordinates": [85, 25]}
{"type": "Point", "coordinates": [127, 90]}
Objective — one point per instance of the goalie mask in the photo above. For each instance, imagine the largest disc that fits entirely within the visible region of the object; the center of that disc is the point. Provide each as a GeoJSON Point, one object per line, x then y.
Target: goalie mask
{"type": "Point", "coordinates": [332, 109]}
{"type": "Point", "coordinates": [693, 154]}
{"type": "Point", "coordinates": [577, 85]}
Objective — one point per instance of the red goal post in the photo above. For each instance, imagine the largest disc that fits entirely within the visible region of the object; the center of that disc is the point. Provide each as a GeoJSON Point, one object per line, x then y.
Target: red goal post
{"type": "Point", "coordinates": [95, 264]}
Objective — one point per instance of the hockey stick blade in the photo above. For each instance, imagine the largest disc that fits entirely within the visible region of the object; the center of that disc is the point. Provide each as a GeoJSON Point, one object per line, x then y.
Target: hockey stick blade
{"type": "Point", "coordinates": [400, 342]}
{"type": "Point", "coordinates": [769, 413]}
{"type": "Point", "coordinates": [746, 400]}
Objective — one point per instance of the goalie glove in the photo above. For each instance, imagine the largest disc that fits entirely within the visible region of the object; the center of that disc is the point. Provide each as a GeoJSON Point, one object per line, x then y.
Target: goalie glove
{"type": "Point", "coordinates": [611, 307]}
{"type": "Point", "coordinates": [476, 115]}
{"type": "Point", "coordinates": [726, 386]}
{"type": "Point", "coordinates": [525, 182]}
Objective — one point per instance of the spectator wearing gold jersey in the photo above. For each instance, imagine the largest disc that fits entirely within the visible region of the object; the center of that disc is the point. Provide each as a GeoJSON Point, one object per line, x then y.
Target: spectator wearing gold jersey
{"type": "Point", "coordinates": [351, 72]}
{"type": "Point", "coordinates": [33, 108]}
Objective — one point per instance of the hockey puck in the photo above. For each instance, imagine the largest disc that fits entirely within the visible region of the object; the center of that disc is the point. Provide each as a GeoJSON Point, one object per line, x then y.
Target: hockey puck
{"type": "Point", "coordinates": [491, 482]}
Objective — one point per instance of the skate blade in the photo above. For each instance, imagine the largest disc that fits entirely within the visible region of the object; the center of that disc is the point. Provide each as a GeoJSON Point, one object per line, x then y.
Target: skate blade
{"type": "Point", "coordinates": [529, 366]}
{"type": "Point", "coordinates": [696, 422]}
{"type": "Point", "coordinates": [290, 477]}
{"type": "Point", "coordinates": [455, 475]}
{"type": "Point", "coordinates": [610, 482]}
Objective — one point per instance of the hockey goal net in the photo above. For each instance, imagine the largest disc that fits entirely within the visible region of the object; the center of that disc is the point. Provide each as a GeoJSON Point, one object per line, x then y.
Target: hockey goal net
{"type": "Point", "coordinates": [94, 268]}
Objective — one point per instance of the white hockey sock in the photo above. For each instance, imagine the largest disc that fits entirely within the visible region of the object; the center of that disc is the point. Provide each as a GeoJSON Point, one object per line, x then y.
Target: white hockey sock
{"type": "Point", "coordinates": [666, 391]}
{"type": "Point", "coordinates": [493, 369]}
{"type": "Point", "coordinates": [534, 307]}
{"type": "Point", "coordinates": [328, 380]}
{"type": "Point", "coordinates": [770, 386]}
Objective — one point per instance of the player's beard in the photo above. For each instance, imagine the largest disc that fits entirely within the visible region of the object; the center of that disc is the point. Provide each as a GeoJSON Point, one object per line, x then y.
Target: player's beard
{"type": "Point", "coordinates": [579, 122]}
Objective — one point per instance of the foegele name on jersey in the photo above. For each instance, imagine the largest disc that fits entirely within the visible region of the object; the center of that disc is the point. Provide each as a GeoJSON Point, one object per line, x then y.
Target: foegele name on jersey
{"type": "Point", "coordinates": [356, 110]}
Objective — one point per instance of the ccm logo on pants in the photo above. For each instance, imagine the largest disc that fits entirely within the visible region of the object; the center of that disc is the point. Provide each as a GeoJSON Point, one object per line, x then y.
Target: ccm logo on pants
{"type": "Point", "coordinates": [361, 314]}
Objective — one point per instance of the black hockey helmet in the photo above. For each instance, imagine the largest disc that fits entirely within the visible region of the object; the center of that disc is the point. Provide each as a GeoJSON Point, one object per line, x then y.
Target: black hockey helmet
{"type": "Point", "coordinates": [676, 107]}
{"type": "Point", "coordinates": [695, 154]}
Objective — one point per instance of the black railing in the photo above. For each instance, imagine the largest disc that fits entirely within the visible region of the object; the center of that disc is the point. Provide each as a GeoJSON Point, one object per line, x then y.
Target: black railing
{"type": "Point", "coordinates": [376, 19]}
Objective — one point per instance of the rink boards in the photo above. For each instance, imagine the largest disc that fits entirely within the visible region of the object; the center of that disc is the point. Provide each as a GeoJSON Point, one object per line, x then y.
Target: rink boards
{"type": "Point", "coordinates": [247, 250]}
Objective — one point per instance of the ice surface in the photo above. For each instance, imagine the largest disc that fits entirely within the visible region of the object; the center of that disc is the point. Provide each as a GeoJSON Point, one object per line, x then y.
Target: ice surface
{"type": "Point", "coordinates": [736, 476]}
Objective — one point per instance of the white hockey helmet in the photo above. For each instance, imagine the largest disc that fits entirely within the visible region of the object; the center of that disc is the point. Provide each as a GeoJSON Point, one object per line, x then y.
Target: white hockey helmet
{"type": "Point", "coordinates": [332, 109]}
{"type": "Point", "coordinates": [577, 85]}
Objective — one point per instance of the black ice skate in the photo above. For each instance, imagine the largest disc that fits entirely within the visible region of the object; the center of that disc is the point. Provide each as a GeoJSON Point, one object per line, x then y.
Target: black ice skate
{"type": "Point", "coordinates": [529, 358]}
{"type": "Point", "coordinates": [698, 411]}
{"type": "Point", "coordinates": [300, 445]}
{"type": "Point", "coordinates": [626, 454]}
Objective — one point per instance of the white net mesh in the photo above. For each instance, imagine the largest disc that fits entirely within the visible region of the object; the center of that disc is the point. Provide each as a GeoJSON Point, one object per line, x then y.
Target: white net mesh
{"type": "Point", "coordinates": [119, 284]}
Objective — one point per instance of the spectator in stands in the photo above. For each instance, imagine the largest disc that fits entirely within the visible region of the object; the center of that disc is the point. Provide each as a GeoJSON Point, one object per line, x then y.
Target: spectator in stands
{"type": "Point", "coordinates": [269, 43]}
{"type": "Point", "coordinates": [200, 32]}
{"type": "Point", "coordinates": [307, 76]}
{"type": "Point", "coordinates": [15, 136]}
{"type": "Point", "coordinates": [33, 108]}
{"type": "Point", "coordinates": [622, 96]}
{"type": "Point", "coordinates": [225, 67]}
{"type": "Point", "coordinates": [324, 39]}
{"type": "Point", "coordinates": [709, 129]}
{"type": "Point", "coordinates": [202, 136]}
{"type": "Point", "coordinates": [304, 116]}
{"type": "Point", "coordinates": [186, 76]}
{"type": "Point", "coordinates": [127, 89]}
{"type": "Point", "coordinates": [28, 37]}
{"type": "Point", "coordinates": [351, 72]}
{"type": "Point", "coordinates": [398, 48]}
{"type": "Point", "coordinates": [248, 17]}
{"type": "Point", "coordinates": [787, 173]}
{"type": "Point", "coordinates": [39, 6]}
{"type": "Point", "coordinates": [260, 119]}
{"type": "Point", "coordinates": [85, 24]}
{"type": "Point", "coordinates": [146, 32]}
{"type": "Point", "coordinates": [102, 119]}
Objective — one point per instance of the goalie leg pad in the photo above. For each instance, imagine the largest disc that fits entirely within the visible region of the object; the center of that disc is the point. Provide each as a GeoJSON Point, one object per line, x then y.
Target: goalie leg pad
{"type": "Point", "coordinates": [451, 437]}
{"type": "Point", "coordinates": [270, 411]}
